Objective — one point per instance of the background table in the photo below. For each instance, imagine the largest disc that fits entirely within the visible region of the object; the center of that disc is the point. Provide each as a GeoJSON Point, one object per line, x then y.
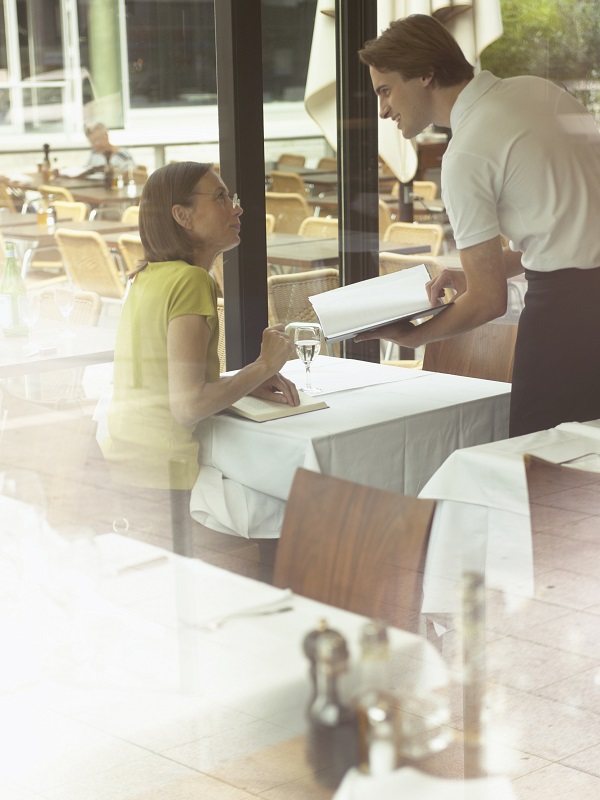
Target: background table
{"type": "Point", "coordinates": [482, 521]}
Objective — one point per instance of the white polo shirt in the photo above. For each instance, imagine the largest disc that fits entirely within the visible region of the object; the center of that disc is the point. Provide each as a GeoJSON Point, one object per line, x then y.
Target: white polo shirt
{"type": "Point", "coordinates": [524, 161]}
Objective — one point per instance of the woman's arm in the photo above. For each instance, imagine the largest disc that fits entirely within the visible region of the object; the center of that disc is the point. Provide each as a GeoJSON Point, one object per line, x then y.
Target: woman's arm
{"type": "Point", "coordinates": [192, 397]}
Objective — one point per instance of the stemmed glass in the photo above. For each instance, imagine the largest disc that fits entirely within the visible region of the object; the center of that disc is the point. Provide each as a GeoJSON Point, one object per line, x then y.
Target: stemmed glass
{"type": "Point", "coordinates": [64, 297]}
{"type": "Point", "coordinates": [31, 311]}
{"type": "Point", "coordinates": [307, 339]}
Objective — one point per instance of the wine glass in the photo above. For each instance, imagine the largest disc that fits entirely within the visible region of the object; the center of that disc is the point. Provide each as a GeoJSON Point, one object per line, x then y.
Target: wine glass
{"type": "Point", "coordinates": [307, 339]}
{"type": "Point", "coordinates": [31, 311]}
{"type": "Point", "coordinates": [64, 297]}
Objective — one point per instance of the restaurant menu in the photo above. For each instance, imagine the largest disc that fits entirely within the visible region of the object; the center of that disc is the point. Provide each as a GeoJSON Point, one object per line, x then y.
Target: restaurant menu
{"type": "Point", "coordinates": [366, 305]}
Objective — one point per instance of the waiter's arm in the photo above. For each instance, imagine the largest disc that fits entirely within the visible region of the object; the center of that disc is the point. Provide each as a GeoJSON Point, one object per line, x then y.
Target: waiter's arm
{"type": "Point", "coordinates": [481, 297]}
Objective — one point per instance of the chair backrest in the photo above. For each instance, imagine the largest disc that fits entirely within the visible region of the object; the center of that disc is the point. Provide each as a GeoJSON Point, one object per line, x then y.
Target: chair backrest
{"type": "Point", "coordinates": [291, 158]}
{"type": "Point", "coordinates": [486, 352]}
{"type": "Point", "coordinates": [131, 250]}
{"type": "Point", "coordinates": [552, 488]}
{"type": "Point", "coordinates": [415, 233]}
{"type": "Point", "coordinates": [288, 294]}
{"type": "Point", "coordinates": [385, 218]}
{"type": "Point", "coordinates": [6, 200]}
{"type": "Point", "coordinates": [319, 227]}
{"type": "Point", "coordinates": [269, 223]}
{"type": "Point", "coordinates": [77, 212]}
{"type": "Point", "coordinates": [89, 263]}
{"type": "Point", "coordinates": [288, 209]}
{"type": "Point", "coordinates": [131, 215]}
{"type": "Point", "coordinates": [140, 174]}
{"type": "Point", "coordinates": [86, 309]}
{"type": "Point", "coordinates": [428, 190]}
{"type": "Point", "coordinates": [394, 262]}
{"type": "Point", "coordinates": [287, 182]}
{"type": "Point", "coordinates": [327, 162]}
{"type": "Point", "coordinates": [56, 191]}
{"type": "Point", "coordinates": [221, 346]}
{"type": "Point", "coordinates": [354, 547]}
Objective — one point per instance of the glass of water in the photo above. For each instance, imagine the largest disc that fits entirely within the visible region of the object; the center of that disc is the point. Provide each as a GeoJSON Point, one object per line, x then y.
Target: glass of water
{"type": "Point", "coordinates": [307, 339]}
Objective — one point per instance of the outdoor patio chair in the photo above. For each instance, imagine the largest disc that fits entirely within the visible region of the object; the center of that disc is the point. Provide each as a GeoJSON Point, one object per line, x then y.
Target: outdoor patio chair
{"type": "Point", "coordinates": [289, 209]}
{"type": "Point", "coordinates": [90, 264]}
{"type": "Point", "coordinates": [415, 233]}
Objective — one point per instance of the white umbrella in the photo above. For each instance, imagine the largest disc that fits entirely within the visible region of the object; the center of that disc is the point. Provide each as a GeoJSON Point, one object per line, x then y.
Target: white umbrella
{"type": "Point", "coordinates": [473, 24]}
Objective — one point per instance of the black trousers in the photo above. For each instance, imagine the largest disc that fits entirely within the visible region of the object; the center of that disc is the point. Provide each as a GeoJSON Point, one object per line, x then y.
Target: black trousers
{"type": "Point", "coordinates": [556, 375]}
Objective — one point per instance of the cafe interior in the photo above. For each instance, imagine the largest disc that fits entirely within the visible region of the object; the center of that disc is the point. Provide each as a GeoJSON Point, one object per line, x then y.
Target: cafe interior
{"type": "Point", "coordinates": [386, 597]}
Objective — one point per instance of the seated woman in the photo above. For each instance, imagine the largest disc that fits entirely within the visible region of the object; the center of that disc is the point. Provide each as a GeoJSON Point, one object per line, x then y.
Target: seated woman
{"type": "Point", "coordinates": [166, 378]}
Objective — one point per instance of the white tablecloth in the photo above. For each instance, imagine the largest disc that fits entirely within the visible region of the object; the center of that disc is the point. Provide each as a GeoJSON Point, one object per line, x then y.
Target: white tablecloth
{"type": "Point", "coordinates": [482, 520]}
{"type": "Point", "coordinates": [393, 435]}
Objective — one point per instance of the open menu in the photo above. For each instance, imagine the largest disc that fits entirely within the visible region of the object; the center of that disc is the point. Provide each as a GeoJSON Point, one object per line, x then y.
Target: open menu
{"type": "Point", "coordinates": [259, 410]}
{"type": "Point", "coordinates": [366, 305]}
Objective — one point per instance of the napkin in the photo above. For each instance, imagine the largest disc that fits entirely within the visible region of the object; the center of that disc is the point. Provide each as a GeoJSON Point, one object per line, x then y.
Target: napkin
{"type": "Point", "coordinates": [409, 783]}
{"type": "Point", "coordinates": [206, 593]}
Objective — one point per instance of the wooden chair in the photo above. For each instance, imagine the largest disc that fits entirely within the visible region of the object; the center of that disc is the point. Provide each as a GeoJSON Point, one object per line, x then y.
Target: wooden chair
{"type": "Point", "coordinates": [288, 294]}
{"type": "Point", "coordinates": [291, 158]}
{"type": "Point", "coordinates": [287, 182]}
{"type": "Point", "coordinates": [355, 547]}
{"type": "Point", "coordinates": [328, 163]}
{"type": "Point", "coordinates": [58, 192]}
{"type": "Point", "coordinates": [415, 233]}
{"type": "Point", "coordinates": [89, 263]}
{"type": "Point", "coordinates": [319, 227]}
{"type": "Point", "coordinates": [131, 215]}
{"type": "Point", "coordinates": [288, 209]}
{"type": "Point", "coordinates": [131, 250]}
{"type": "Point", "coordinates": [269, 223]}
{"type": "Point", "coordinates": [552, 488]}
{"type": "Point", "coordinates": [485, 352]}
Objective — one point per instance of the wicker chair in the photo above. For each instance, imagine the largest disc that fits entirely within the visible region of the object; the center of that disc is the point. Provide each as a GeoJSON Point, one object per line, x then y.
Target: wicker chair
{"type": "Point", "coordinates": [131, 250]}
{"type": "Point", "coordinates": [415, 233]}
{"type": "Point", "coordinates": [6, 200]}
{"type": "Point", "coordinates": [385, 218]}
{"type": "Point", "coordinates": [269, 223]}
{"type": "Point", "coordinates": [393, 262]}
{"type": "Point", "coordinates": [288, 209]}
{"type": "Point", "coordinates": [319, 227]}
{"type": "Point", "coordinates": [56, 191]}
{"type": "Point", "coordinates": [221, 345]}
{"type": "Point", "coordinates": [131, 215]}
{"type": "Point", "coordinates": [288, 294]}
{"type": "Point", "coordinates": [428, 190]}
{"type": "Point", "coordinates": [287, 182]}
{"type": "Point", "coordinates": [89, 263]}
{"type": "Point", "coordinates": [291, 158]}
{"type": "Point", "coordinates": [328, 163]}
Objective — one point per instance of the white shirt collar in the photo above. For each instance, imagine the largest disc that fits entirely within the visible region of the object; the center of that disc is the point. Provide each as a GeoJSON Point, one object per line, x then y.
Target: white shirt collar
{"type": "Point", "coordinates": [481, 83]}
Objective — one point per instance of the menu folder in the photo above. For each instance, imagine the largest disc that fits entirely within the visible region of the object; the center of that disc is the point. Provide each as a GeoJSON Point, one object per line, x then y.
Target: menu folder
{"type": "Point", "coordinates": [364, 306]}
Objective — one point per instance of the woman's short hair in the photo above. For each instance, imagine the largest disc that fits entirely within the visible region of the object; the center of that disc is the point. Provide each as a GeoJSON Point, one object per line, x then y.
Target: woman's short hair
{"type": "Point", "coordinates": [164, 239]}
{"type": "Point", "coordinates": [418, 46]}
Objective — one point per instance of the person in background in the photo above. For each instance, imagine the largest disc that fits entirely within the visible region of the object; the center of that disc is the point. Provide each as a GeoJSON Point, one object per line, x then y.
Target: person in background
{"type": "Point", "coordinates": [166, 372]}
{"type": "Point", "coordinates": [523, 162]}
{"type": "Point", "coordinates": [120, 159]}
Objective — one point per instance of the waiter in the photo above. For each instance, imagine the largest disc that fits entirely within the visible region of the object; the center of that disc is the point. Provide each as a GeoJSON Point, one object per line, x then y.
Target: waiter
{"type": "Point", "coordinates": [524, 163]}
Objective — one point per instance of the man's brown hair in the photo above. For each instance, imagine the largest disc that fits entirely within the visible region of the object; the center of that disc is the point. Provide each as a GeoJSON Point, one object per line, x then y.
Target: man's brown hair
{"type": "Point", "coordinates": [416, 47]}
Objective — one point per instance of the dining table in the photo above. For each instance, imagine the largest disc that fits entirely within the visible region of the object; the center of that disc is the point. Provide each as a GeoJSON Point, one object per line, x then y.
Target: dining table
{"type": "Point", "coordinates": [305, 252]}
{"type": "Point", "coordinates": [385, 426]}
{"type": "Point", "coordinates": [47, 348]}
{"type": "Point", "coordinates": [134, 672]}
{"type": "Point", "coordinates": [483, 521]}
{"type": "Point", "coordinates": [98, 195]}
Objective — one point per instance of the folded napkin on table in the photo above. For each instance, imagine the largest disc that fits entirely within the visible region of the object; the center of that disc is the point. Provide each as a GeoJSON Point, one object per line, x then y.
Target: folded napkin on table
{"type": "Point", "coordinates": [410, 784]}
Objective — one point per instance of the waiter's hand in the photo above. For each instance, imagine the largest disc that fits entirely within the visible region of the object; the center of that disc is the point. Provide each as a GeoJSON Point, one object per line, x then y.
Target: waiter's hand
{"type": "Point", "coordinates": [447, 279]}
{"type": "Point", "coordinates": [397, 332]}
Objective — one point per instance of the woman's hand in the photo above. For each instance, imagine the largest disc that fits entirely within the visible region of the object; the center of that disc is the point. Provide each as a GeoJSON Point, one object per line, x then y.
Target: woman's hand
{"type": "Point", "coordinates": [447, 279]}
{"type": "Point", "coordinates": [278, 389]}
{"type": "Point", "coordinates": [276, 348]}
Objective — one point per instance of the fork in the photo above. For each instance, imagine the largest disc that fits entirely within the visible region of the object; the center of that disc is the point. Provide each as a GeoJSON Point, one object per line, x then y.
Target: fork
{"type": "Point", "coordinates": [218, 622]}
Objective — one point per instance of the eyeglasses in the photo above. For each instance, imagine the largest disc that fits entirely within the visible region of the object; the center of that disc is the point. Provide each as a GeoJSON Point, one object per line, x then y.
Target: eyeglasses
{"type": "Point", "coordinates": [235, 200]}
